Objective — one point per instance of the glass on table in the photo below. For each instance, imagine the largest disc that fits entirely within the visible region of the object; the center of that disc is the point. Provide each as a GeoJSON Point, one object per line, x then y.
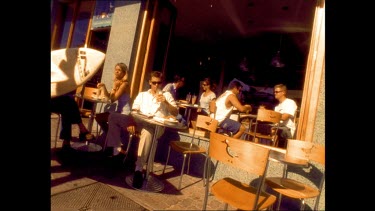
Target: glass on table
{"type": "Point", "coordinates": [193, 99]}
{"type": "Point", "coordinates": [188, 98]}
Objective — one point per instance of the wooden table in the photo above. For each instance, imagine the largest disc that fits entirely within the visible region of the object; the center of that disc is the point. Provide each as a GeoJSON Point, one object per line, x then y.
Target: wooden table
{"type": "Point", "coordinates": [88, 146]}
{"type": "Point", "coordinates": [151, 183]}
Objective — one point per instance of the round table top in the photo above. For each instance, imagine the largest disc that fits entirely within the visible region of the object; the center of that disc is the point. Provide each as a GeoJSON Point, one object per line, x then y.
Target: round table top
{"type": "Point", "coordinates": [189, 105]}
{"type": "Point", "coordinates": [94, 99]}
{"type": "Point", "coordinates": [158, 121]}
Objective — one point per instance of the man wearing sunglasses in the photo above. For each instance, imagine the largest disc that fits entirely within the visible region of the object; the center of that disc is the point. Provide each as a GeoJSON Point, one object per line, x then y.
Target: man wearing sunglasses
{"type": "Point", "coordinates": [287, 107]}
{"type": "Point", "coordinates": [151, 102]}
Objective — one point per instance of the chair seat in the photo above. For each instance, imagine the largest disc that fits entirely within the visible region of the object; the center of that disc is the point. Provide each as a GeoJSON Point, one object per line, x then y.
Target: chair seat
{"type": "Point", "coordinates": [291, 188]}
{"type": "Point", "coordinates": [240, 195]}
{"type": "Point", "coordinates": [185, 147]}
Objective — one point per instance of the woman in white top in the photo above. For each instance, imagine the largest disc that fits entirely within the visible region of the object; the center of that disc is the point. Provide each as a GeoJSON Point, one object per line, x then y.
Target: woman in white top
{"type": "Point", "coordinates": [207, 96]}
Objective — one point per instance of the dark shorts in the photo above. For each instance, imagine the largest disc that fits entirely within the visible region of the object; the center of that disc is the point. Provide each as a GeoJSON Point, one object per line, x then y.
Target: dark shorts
{"type": "Point", "coordinates": [230, 125]}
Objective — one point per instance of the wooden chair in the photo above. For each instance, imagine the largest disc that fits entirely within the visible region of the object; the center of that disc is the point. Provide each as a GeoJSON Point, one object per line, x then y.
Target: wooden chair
{"type": "Point", "coordinates": [264, 116]}
{"type": "Point", "coordinates": [204, 124]}
{"type": "Point", "coordinates": [85, 92]}
{"type": "Point", "coordinates": [243, 155]}
{"type": "Point", "coordinates": [312, 152]}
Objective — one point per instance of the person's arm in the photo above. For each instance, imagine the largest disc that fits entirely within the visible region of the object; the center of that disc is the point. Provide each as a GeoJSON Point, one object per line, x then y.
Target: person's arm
{"type": "Point", "coordinates": [137, 102]}
{"type": "Point", "coordinates": [232, 99]}
{"type": "Point", "coordinates": [116, 93]}
{"type": "Point", "coordinates": [170, 103]}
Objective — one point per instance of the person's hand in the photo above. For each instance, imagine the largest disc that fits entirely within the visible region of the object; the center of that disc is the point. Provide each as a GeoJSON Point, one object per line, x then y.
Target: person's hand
{"type": "Point", "coordinates": [248, 108]}
{"type": "Point", "coordinates": [99, 85]}
{"type": "Point", "coordinates": [160, 98]}
{"type": "Point", "coordinates": [131, 129]}
{"type": "Point", "coordinates": [117, 84]}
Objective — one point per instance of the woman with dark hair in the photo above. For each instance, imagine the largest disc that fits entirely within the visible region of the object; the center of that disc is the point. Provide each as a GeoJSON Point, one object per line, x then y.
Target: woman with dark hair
{"type": "Point", "coordinates": [207, 96]}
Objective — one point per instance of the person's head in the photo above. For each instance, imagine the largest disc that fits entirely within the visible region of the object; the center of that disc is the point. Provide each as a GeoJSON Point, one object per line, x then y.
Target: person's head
{"type": "Point", "coordinates": [207, 84]}
{"type": "Point", "coordinates": [156, 80]}
{"type": "Point", "coordinates": [235, 87]}
{"type": "Point", "coordinates": [280, 91]}
{"type": "Point", "coordinates": [121, 71]}
{"type": "Point", "coordinates": [179, 81]}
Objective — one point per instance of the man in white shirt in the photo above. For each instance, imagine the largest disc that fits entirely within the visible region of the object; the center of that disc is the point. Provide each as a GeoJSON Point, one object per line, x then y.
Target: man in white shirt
{"type": "Point", "coordinates": [224, 106]}
{"type": "Point", "coordinates": [287, 107]}
{"type": "Point", "coordinates": [151, 102]}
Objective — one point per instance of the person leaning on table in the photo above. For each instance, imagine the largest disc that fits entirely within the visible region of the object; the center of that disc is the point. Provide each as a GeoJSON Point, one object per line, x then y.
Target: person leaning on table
{"type": "Point", "coordinates": [224, 106]}
{"type": "Point", "coordinates": [147, 102]}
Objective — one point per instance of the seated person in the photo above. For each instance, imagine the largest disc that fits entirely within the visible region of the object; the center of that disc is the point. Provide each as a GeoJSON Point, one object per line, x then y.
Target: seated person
{"type": "Point", "coordinates": [206, 97]}
{"type": "Point", "coordinates": [118, 93]}
{"type": "Point", "coordinates": [148, 102]}
{"type": "Point", "coordinates": [224, 106]}
{"type": "Point", "coordinates": [178, 82]}
{"type": "Point", "coordinates": [70, 114]}
{"type": "Point", "coordinates": [160, 105]}
{"type": "Point", "coordinates": [287, 107]}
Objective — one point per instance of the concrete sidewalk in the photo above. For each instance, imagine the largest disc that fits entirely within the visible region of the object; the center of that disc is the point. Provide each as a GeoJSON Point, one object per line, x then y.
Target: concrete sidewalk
{"type": "Point", "coordinates": [91, 181]}
{"type": "Point", "coordinates": [88, 168]}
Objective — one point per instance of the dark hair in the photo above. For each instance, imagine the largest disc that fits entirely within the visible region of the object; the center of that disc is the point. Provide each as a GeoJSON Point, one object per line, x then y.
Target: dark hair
{"type": "Point", "coordinates": [236, 84]}
{"type": "Point", "coordinates": [178, 78]}
{"type": "Point", "coordinates": [210, 83]}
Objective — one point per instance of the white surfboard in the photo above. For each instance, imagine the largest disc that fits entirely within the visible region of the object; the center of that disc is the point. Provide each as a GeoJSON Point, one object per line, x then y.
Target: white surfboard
{"type": "Point", "coordinates": [72, 67]}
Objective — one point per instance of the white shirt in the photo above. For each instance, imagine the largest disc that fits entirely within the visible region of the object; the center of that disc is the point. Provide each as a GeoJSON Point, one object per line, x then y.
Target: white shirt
{"type": "Point", "coordinates": [204, 101]}
{"type": "Point", "coordinates": [147, 104]}
{"type": "Point", "coordinates": [221, 110]}
{"type": "Point", "coordinates": [288, 106]}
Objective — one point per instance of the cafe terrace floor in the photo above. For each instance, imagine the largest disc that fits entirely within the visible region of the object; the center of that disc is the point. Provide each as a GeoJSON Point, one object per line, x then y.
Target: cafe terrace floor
{"type": "Point", "coordinates": [91, 181]}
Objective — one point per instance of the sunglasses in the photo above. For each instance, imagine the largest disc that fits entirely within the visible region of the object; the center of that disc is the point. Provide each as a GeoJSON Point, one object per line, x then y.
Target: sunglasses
{"type": "Point", "coordinates": [156, 82]}
{"type": "Point", "coordinates": [204, 84]}
{"type": "Point", "coordinates": [277, 92]}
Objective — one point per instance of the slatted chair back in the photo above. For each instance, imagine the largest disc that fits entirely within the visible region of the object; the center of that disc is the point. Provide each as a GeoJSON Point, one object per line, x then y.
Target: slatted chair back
{"type": "Point", "coordinates": [243, 155]}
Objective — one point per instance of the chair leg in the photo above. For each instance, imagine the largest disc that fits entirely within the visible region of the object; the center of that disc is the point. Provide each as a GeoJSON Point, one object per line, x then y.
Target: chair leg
{"type": "Point", "coordinates": [188, 168]}
{"type": "Point", "coordinates": [182, 172]}
{"type": "Point", "coordinates": [206, 181]}
{"type": "Point", "coordinates": [57, 130]}
{"type": "Point", "coordinates": [205, 171]}
{"type": "Point", "coordinates": [166, 162]}
{"type": "Point", "coordinates": [213, 175]}
{"type": "Point", "coordinates": [128, 147]}
{"type": "Point", "coordinates": [279, 202]}
{"type": "Point", "coordinates": [317, 202]}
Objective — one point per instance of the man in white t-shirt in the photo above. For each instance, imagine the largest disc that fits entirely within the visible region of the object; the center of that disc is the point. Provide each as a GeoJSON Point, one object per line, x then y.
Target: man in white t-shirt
{"type": "Point", "coordinates": [287, 107]}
